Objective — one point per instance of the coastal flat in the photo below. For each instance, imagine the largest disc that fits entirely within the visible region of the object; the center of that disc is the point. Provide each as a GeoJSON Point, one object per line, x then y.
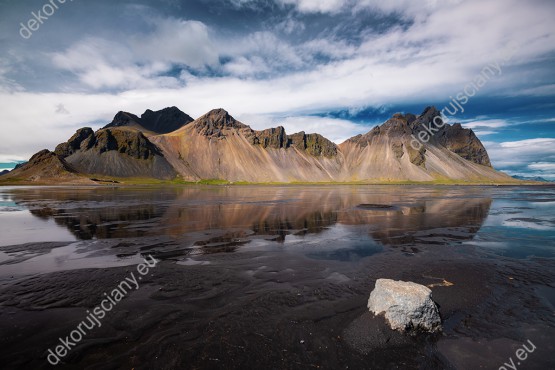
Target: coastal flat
{"type": "Point", "coordinates": [275, 276]}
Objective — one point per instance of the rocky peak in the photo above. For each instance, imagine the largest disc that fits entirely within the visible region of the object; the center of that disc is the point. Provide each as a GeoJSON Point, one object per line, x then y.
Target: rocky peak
{"type": "Point", "coordinates": [396, 126]}
{"type": "Point", "coordinates": [455, 138]}
{"type": "Point", "coordinates": [41, 156]}
{"type": "Point", "coordinates": [74, 143]}
{"type": "Point", "coordinates": [164, 121]}
{"type": "Point", "coordinates": [159, 122]}
{"type": "Point", "coordinates": [429, 114]}
{"type": "Point", "coordinates": [49, 163]}
{"type": "Point", "coordinates": [214, 122]}
{"type": "Point", "coordinates": [123, 119]}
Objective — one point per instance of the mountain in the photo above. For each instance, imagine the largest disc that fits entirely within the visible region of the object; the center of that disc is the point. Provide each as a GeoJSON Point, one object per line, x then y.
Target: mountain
{"type": "Point", "coordinates": [112, 152]}
{"type": "Point", "coordinates": [44, 167]}
{"type": "Point", "coordinates": [531, 178]}
{"type": "Point", "coordinates": [388, 152]}
{"type": "Point", "coordinates": [217, 146]}
{"type": "Point", "coordinates": [152, 123]}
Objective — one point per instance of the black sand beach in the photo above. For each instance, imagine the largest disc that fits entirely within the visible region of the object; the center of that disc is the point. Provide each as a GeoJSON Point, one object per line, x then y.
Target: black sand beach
{"type": "Point", "coordinates": [277, 277]}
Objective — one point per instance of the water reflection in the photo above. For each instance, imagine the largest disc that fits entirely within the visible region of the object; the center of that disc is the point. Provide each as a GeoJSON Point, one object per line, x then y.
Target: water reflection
{"type": "Point", "coordinates": [392, 216]}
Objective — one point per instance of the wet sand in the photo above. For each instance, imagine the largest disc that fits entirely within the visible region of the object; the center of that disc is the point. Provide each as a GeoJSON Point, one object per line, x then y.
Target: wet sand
{"type": "Point", "coordinates": [277, 295]}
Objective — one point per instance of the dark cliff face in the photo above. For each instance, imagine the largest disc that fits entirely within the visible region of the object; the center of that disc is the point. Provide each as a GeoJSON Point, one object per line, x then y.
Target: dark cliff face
{"type": "Point", "coordinates": [459, 140]}
{"type": "Point", "coordinates": [313, 144]}
{"type": "Point", "coordinates": [115, 151]}
{"type": "Point", "coordinates": [165, 121]}
{"type": "Point", "coordinates": [74, 143]}
{"type": "Point", "coordinates": [130, 142]}
{"type": "Point", "coordinates": [160, 122]}
{"type": "Point", "coordinates": [276, 138]}
{"type": "Point", "coordinates": [270, 138]}
{"type": "Point", "coordinates": [463, 142]}
{"type": "Point", "coordinates": [125, 141]}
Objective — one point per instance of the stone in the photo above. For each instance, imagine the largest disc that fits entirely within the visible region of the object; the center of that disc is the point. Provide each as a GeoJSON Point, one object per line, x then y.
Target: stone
{"type": "Point", "coordinates": [407, 306]}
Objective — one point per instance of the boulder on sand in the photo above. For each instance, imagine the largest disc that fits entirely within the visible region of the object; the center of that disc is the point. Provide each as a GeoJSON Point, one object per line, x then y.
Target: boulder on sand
{"type": "Point", "coordinates": [407, 306]}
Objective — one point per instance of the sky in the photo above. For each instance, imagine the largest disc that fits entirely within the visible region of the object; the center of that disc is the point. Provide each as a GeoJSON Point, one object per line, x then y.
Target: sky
{"type": "Point", "coordinates": [336, 67]}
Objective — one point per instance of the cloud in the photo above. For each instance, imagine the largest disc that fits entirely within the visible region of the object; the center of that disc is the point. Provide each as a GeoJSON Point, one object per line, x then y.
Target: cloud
{"type": "Point", "coordinates": [543, 166]}
{"type": "Point", "coordinates": [140, 61]}
{"type": "Point", "coordinates": [336, 130]}
{"type": "Point", "coordinates": [177, 41]}
{"type": "Point", "coordinates": [102, 64]}
{"type": "Point", "coordinates": [317, 6]}
{"type": "Point", "coordinates": [481, 133]}
{"type": "Point", "coordinates": [305, 58]}
{"type": "Point", "coordinates": [7, 84]}
{"type": "Point", "coordinates": [492, 123]}
{"type": "Point", "coordinates": [531, 156]}
{"type": "Point", "coordinates": [4, 159]}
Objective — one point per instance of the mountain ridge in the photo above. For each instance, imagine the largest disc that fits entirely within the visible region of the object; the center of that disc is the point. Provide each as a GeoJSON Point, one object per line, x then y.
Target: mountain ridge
{"type": "Point", "coordinates": [217, 146]}
{"type": "Point", "coordinates": [152, 122]}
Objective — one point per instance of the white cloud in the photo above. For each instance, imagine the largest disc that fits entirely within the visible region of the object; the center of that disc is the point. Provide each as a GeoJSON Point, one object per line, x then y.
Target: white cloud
{"type": "Point", "coordinates": [7, 84]}
{"type": "Point", "coordinates": [516, 156]}
{"type": "Point", "coordinates": [177, 41]}
{"type": "Point", "coordinates": [12, 159]}
{"type": "Point", "coordinates": [481, 133]}
{"type": "Point", "coordinates": [317, 6]}
{"type": "Point", "coordinates": [543, 166]}
{"type": "Point", "coordinates": [435, 55]}
{"type": "Point", "coordinates": [102, 64]}
{"type": "Point", "coordinates": [409, 7]}
{"type": "Point", "coordinates": [492, 123]}
{"type": "Point", "coordinates": [140, 61]}
{"type": "Point", "coordinates": [336, 130]}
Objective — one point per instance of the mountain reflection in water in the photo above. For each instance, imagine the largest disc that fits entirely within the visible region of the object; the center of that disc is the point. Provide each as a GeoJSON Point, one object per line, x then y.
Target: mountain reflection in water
{"type": "Point", "coordinates": [392, 216]}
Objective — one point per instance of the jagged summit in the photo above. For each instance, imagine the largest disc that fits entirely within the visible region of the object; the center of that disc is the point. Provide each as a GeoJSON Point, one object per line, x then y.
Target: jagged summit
{"type": "Point", "coordinates": [153, 122]}
{"type": "Point", "coordinates": [406, 128]}
{"type": "Point", "coordinates": [213, 122]}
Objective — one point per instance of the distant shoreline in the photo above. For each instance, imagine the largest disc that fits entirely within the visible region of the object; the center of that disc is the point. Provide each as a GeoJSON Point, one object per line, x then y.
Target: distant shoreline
{"type": "Point", "coordinates": [151, 182]}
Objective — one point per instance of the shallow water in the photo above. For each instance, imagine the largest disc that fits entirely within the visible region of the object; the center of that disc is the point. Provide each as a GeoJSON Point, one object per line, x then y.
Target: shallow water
{"type": "Point", "coordinates": [276, 276]}
{"type": "Point", "coordinates": [330, 222]}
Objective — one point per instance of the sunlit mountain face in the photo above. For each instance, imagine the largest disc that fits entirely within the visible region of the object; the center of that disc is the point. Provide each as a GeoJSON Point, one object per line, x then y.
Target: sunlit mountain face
{"type": "Point", "coordinates": [336, 67]}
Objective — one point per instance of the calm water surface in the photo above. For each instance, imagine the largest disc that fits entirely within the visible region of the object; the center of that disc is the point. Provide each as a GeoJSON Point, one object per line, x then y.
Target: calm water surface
{"type": "Point", "coordinates": [343, 223]}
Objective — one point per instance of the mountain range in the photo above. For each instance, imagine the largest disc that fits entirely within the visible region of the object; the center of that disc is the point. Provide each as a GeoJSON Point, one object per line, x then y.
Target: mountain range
{"type": "Point", "coordinates": [170, 145]}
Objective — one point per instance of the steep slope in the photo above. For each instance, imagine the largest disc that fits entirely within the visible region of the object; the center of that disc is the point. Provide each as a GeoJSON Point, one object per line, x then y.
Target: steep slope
{"type": "Point", "coordinates": [386, 153]}
{"type": "Point", "coordinates": [117, 152]}
{"type": "Point", "coordinates": [44, 167]}
{"type": "Point", "coordinates": [151, 122]}
{"type": "Point", "coordinates": [218, 146]}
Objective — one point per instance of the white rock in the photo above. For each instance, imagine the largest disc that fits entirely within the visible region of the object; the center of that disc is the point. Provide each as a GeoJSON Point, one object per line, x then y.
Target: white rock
{"type": "Point", "coordinates": [407, 305]}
